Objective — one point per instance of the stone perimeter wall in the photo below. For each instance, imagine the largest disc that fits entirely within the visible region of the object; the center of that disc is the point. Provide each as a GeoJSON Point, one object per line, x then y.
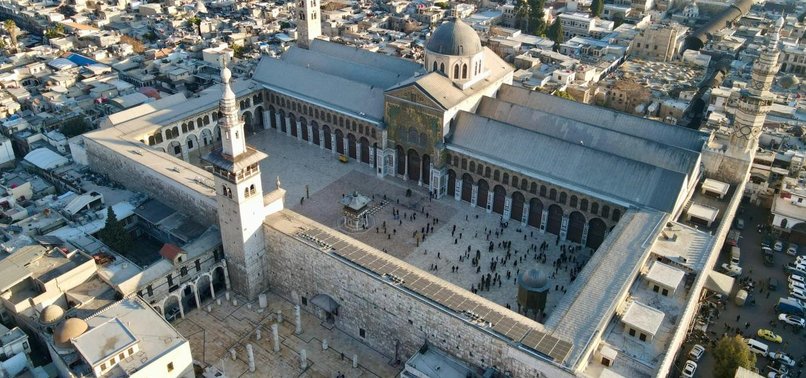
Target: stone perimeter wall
{"type": "Point", "coordinates": [387, 313]}
{"type": "Point", "coordinates": [138, 177]}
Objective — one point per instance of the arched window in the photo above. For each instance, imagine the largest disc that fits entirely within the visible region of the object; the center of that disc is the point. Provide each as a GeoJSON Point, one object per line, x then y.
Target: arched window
{"type": "Point", "coordinates": [605, 211]}
{"type": "Point", "coordinates": [464, 71]}
{"type": "Point", "coordinates": [487, 172]}
{"type": "Point", "coordinates": [472, 166]}
{"type": "Point", "coordinates": [184, 128]}
{"type": "Point", "coordinates": [533, 188]}
{"type": "Point", "coordinates": [542, 190]}
{"type": "Point", "coordinates": [515, 181]}
{"type": "Point", "coordinates": [784, 222]}
{"type": "Point", "coordinates": [563, 197]}
{"type": "Point", "coordinates": [594, 208]}
{"type": "Point", "coordinates": [435, 66]}
{"type": "Point", "coordinates": [479, 169]}
{"type": "Point", "coordinates": [573, 202]}
{"type": "Point", "coordinates": [505, 180]}
{"type": "Point", "coordinates": [553, 194]}
{"type": "Point", "coordinates": [583, 205]}
{"type": "Point", "coordinates": [456, 71]}
{"type": "Point", "coordinates": [442, 67]}
{"type": "Point", "coordinates": [496, 175]}
{"type": "Point", "coordinates": [616, 215]}
{"type": "Point", "coordinates": [464, 163]}
{"type": "Point", "coordinates": [246, 192]}
{"type": "Point", "coordinates": [190, 126]}
{"type": "Point", "coordinates": [455, 161]}
{"type": "Point", "coordinates": [524, 183]}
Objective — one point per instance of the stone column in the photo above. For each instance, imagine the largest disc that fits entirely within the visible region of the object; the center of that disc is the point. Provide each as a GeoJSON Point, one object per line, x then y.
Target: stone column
{"type": "Point", "coordinates": [358, 151]}
{"type": "Point", "coordinates": [507, 208]}
{"type": "Point", "coordinates": [333, 143]}
{"type": "Point", "coordinates": [324, 344]}
{"type": "Point", "coordinates": [258, 336]}
{"type": "Point", "coordinates": [288, 126]}
{"type": "Point", "coordinates": [303, 359]}
{"type": "Point", "coordinates": [196, 295]}
{"type": "Point", "coordinates": [457, 189]}
{"type": "Point", "coordinates": [543, 219]}
{"type": "Point", "coordinates": [275, 337]}
{"type": "Point", "coordinates": [584, 240]}
{"type": "Point", "coordinates": [262, 300]}
{"type": "Point", "coordinates": [266, 120]}
{"type": "Point", "coordinates": [474, 195]}
{"type": "Point", "coordinates": [405, 167]}
{"type": "Point", "coordinates": [490, 198]}
{"type": "Point", "coordinates": [355, 360]}
{"type": "Point", "coordinates": [346, 147]}
{"type": "Point", "coordinates": [276, 121]}
{"type": "Point", "coordinates": [297, 320]}
{"type": "Point", "coordinates": [310, 133]}
{"type": "Point", "coordinates": [372, 162]}
{"type": "Point", "coordinates": [184, 147]}
{"type": "Point", "coordinates": [250, 355]}
{"type": "Point", "coordinates": [181, 309]}
{"type": "Point", "coordinates": [299, 130]}
{"type": "Point", "coordinates": [564, 227]}
{"type": "Point", "coordinates": [525, 215]}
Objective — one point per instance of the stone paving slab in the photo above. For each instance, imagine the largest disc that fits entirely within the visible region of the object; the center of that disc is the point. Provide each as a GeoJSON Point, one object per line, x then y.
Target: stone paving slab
{"type": "Point", "coordinates": [212, 334]}
{"type": "Point", "coordinates": [299, 164]}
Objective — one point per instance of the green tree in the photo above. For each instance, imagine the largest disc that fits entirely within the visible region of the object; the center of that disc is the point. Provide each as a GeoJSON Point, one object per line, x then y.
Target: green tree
{"type": "Point", "coordinates": [55, 32]}
{"type": "Point", "coordinates": [114, 234]}
{"type": "Point", "coordinates": [729, 354]}
{"type": "Point", "coordinates": [565, 95]}
{"type": "Point", "coordinates": [75, 126]}
{"type": "Point", "coordinates": [11, 29]}
{"type": "Point", "coordinates": [537, 21]}
{"type": "Point", "coordinates": [522, 16]}
{"type": "Point", "coordinates": [238, 51]}
{"type": "Point", "coordinates": [555, 33]}
{"type": "Point", "coordinates": [596, 8]}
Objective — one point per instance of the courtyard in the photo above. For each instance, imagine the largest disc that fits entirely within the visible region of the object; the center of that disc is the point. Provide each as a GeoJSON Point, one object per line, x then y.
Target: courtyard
{"type": "Point", "coordinates": [448, 238]}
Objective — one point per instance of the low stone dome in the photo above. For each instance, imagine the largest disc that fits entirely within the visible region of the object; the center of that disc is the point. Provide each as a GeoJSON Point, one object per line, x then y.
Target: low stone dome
{"type": "Point", "coordinates": [454, 38]}
{"type": "Point", "coordinates": [51, 314]}
{"type": "Point", "coordinates": [533, 279]}
{"type": "Point", "coordinates": [71, 328]}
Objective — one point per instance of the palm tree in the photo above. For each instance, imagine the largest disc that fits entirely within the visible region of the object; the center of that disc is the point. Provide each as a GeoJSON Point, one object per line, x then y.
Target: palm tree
{"type": "Point", "coordinates": [11, 29]}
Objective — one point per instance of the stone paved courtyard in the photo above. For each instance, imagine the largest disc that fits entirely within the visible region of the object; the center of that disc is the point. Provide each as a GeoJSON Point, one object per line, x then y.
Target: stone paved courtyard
{"type": "Point", "coordinates": [299, 164]}
{"type": "Point", "coordinates": [233, 324]}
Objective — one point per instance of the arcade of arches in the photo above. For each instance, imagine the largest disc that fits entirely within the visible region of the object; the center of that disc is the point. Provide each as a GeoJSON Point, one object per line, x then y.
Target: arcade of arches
{"type": "Point", "coordinates": [572, 217]}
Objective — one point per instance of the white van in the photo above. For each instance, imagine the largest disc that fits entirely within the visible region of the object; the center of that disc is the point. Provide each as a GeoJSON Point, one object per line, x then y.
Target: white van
{"type": "Point", "coordinates": [757, 347]}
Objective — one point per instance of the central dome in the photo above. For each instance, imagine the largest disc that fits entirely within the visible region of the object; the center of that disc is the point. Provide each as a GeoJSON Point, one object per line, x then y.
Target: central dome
{"type": "Point", "coordinates": [454, 38]}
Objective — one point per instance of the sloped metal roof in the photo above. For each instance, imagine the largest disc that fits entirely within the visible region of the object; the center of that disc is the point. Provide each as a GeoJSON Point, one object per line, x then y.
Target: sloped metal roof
{"type": "Point", "coordinates": [572, 165]}
{"type": "Point", "coordinates": [613, 141]}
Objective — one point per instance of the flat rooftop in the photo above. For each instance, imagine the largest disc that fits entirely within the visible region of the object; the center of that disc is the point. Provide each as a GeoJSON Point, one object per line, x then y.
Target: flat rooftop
{"type": "Point", "coordinates": [119, 324]}
{"type": "Point", "coordinates": [605, 280]}
{"type": "Point", "coordinates": [643, 318]}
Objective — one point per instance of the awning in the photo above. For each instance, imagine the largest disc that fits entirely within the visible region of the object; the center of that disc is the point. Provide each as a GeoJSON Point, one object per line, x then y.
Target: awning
{"type": "Point", "coordinates": [719, 283]}
{"type": "Point", "coordinates": [325, 302]}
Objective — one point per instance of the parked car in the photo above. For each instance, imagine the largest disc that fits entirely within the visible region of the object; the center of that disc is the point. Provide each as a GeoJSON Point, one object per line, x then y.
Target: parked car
{"type": "Point", "coordinates": [772, 284]}
{"type": "Point", "coordinates": [779, 246]}
{"type": "Point", "coordinates": [792, 250]}
{"type": "Point", "coordinates": [795, 278]}
{"type": "Point", "coordinates": [796, 285]}
{"type": "Point", "coordinates": [782, 358]}
{"type": "Point", "coordinates": [799, 294]}
{"type": "Point", "coordinates": [800, 259]}
{"type": "Point", "coordinates": [769, 336]}
{"type": "Point", "coordinates": [792, 320]}
{"type": "Point", "coordinates": [696, 352]}
{"type": "Point", "coordinates": [689, 369]}
{"type": "Point", "coordinates": [740, 223]}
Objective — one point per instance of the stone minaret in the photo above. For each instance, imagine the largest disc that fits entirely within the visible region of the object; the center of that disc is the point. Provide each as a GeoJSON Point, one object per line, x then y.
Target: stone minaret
{"type": "Point", "coordinates": [236, 168]}
{"type": "Point", "coordinates": [309, 23]}
{"type": "Point", "coordinates": [755, 101]}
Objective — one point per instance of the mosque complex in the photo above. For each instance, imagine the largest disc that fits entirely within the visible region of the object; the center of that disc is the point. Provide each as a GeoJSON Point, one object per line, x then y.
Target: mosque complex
{"type": "Point", "coordinates": [457, 185]}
